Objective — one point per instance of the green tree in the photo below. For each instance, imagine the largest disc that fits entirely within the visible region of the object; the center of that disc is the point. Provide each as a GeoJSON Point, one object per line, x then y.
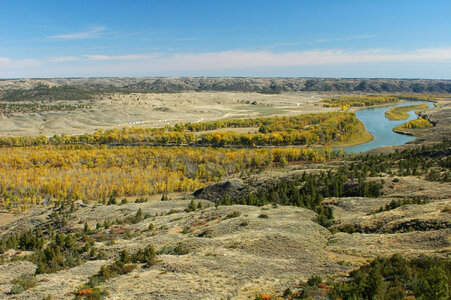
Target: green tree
{"type": "Point", "coordinates": [436, 285]}
{"type": "Point", "coordinates": [375, 287]}
{"type": "Point", "coordinates": [191, 206]}
{"type": "Point", "coordinates": [125, 257]}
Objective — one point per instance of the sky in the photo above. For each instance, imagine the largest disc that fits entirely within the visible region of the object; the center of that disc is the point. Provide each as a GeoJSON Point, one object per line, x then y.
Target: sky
{"type": "Point", "coordinates": [278, 38]}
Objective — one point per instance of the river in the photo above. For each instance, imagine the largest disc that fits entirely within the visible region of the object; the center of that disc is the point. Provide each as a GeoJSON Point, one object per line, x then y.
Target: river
{"type": "Point", "coordinates": [381, 128]}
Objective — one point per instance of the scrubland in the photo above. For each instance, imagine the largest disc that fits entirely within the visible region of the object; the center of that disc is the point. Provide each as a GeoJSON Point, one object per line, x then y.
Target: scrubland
{"type": "Point", "coordinates": [109, 189]}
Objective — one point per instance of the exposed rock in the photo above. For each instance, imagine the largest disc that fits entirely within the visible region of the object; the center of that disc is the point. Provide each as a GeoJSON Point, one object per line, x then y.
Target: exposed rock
{"type": "Point", "coordinates": [163, 109]}
{"type": "Point", "coordinates": [233, 188]}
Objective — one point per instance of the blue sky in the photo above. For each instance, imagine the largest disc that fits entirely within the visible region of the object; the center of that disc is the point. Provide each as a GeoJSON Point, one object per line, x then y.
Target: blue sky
{"type": "Point", "coordinates": [318, 38]}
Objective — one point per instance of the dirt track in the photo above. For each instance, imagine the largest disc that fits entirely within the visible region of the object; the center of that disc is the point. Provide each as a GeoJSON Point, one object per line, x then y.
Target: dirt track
{"type": "Point", "coordinates": [157, 110]}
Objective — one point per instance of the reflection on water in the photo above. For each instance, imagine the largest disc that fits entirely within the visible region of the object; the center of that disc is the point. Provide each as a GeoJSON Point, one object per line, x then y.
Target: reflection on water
{"type": "Point", "coordinates": [381, 128]}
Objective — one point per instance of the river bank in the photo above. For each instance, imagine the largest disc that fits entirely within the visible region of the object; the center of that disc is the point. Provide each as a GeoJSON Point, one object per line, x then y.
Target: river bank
{"type": "Point", "coordinates": [381, 128]}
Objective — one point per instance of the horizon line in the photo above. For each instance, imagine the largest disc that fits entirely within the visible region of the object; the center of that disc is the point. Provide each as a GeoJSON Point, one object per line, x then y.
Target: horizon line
{"type": "Point", "coordinates": [243, 77]}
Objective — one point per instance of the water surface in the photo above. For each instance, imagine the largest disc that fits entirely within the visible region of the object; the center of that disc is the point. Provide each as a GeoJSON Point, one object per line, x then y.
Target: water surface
{"type": "Point", "coordinates": [382, 128]}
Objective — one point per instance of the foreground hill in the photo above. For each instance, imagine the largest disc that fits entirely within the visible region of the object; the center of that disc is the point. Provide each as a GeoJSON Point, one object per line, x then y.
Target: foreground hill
{"type": "Point", "coordinates": [229, 252]}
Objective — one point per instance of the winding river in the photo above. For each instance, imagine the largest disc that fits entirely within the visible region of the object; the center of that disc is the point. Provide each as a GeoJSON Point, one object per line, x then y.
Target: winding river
{"type": "Point", "coordinates": [381, 128]}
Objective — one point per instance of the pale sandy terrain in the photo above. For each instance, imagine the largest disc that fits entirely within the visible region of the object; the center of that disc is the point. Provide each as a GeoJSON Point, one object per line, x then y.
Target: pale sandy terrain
{"type": "Point", "coordinates": [5, 218]}
{"type": "Point", "coordinates": [157, 110]}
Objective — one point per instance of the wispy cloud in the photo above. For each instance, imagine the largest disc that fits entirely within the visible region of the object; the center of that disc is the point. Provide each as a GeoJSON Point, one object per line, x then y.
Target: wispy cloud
{"type": "Point", "coordinates": [92, 33]}
{"type": "Point", "coordinates": [63, 59]}
{"type": "Point", "coordinates": [239, 62]}
{"type": "Point", "coordinates": [8, 64]}
{"type": "Point", "coordinates": [325, 40]}
{"type": "Point", "coordinates": [120, 57]}
{"type": "Point", "coordinates": [285, 44]}
{"type": "Point", "coordinates": [262, 59]}
{"type": "Point", "coordinates": [349, 38]}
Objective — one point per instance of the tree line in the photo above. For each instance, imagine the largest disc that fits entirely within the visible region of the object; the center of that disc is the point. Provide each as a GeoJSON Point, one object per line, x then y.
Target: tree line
{"type": "Point", "coordinates": [398, 278]}
{"type": "Point", "coordinates": [9, 108]}
{"type": "Point", "coordinates": [432, 162]}
{"type": "Point", "coordinates": [359, 101]}
{"type": "Point", "coordinates": [310, 129]}
{"type": "Point", "coordinates": [42, 175]}
{"type": "Point", "coordinates": [371, 100]}
{"type": "Point", "coordinates": [413, 124]}
{"type": "Point", "coordinates": [310, 189]}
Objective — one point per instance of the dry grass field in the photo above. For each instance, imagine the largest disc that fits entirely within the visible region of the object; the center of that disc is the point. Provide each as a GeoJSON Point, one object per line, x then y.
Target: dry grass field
{"type": "Point", "coordinates": [157, 110]}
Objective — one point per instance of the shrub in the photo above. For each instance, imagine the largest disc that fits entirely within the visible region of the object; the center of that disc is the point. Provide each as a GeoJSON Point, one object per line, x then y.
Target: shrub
{"type": "Point", "coordinates": [206, 232]}
{"type": "Point", "coordinates": [233, 214]}
{"type": "Point", "coordinates": [106, 224]}
{"type": "Point", "coordinates": [262, 297]}
{"type": "Point", "coordinates": [146, 255]}
{"type": "Point", "coordinates": [233, 246]}
{"type": "Point", "coordinates": [173, 211]}
{"type": "Point", "coordinates": [90, 293]}
{"type": "Point", "coordinates": [314, 280]}
{"type": "Point", "coordinates": [348, 228]}
{"type": "Point", "coordinates": [23, 283]}
{"type": "Point", "coordinates": [191, 206]}
{"type": "Point", "coordinates": [112, 200]}
{"type": "Point", "coordinates": [125, 257]}
{"type": "Point", "coordinates": [186, 230]}
{"type": "Point", "coordinates": [180, 250]}
{"type": "Point", "coordinates": [86, 229]}
{"type": "Point", "coordinates": [120, 266]}
{"type": "Point", "coordinates": [141, 200]}
{"type": "Point", "coordinates": [287, 293]}
{"type": "Point", "coordinates": [263, 216]}
{"type": "Point", "coordinates": [93, 253]}
{"type": "Point", "coordinates": [85, 292]}
{"type": "Point", "coordinates": [17, 289]}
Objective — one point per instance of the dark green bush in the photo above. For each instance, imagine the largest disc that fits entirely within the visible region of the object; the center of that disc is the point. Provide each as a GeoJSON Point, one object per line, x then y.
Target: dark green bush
{"type": "Point", "coordinates": [23, 283]}
{"type": "Point", "coordinates": [234, 214]}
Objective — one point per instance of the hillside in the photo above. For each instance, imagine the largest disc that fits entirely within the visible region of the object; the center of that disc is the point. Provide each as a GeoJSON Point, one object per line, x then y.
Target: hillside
{"type": "Point", "coordinates": [203, 250]}
{"type": "Point", "coordinates": [208, 188]}
{"type": "Point", "coordinates": [228, 84]}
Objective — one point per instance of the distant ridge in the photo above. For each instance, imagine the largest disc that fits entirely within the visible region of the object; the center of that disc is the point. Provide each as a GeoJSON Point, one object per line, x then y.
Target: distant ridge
{"type": "Point", "coordinates": [238, 84]}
